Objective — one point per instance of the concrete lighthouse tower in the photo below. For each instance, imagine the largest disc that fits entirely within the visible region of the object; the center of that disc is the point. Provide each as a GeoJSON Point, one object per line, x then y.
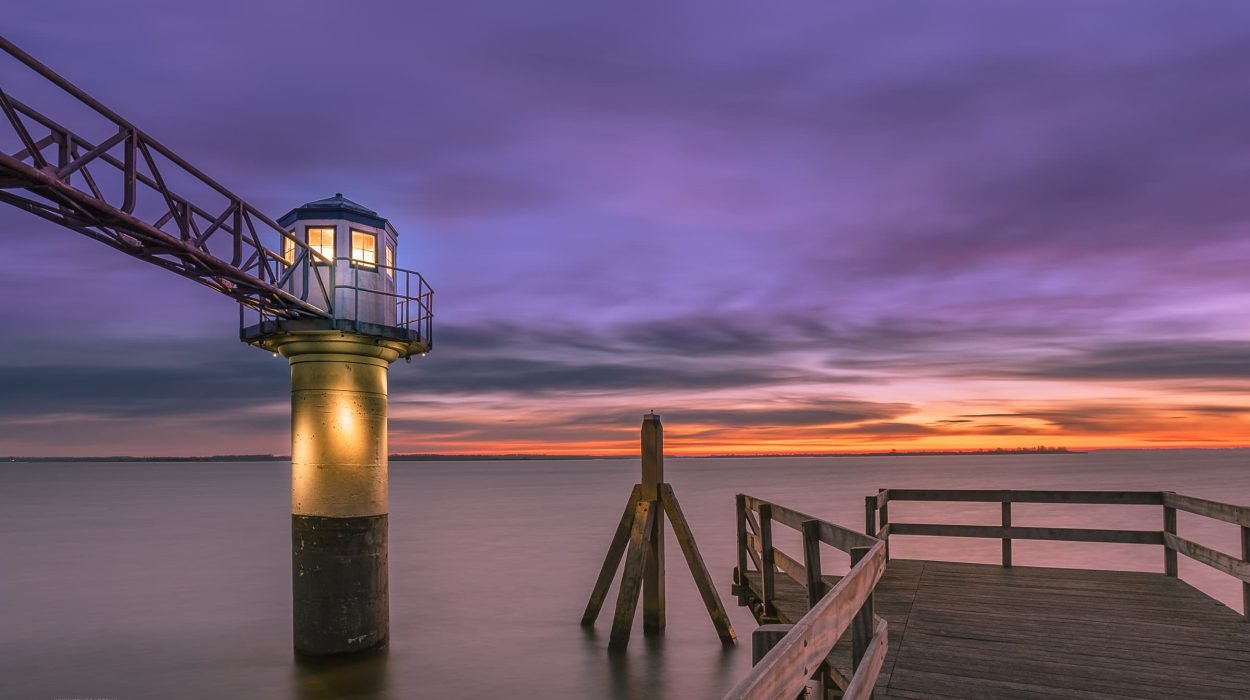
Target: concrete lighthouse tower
{"type": "Point", "coordinates": [341, 256]}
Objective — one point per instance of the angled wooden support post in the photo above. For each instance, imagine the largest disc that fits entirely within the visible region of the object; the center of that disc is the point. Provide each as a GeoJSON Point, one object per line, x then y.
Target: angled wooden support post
{"type": "Point", "coordinates": [702, 577]}
{"type": "Point", "coordinates": [641, 531]}
{"type": "Point", "coordinates": [645, 514]}
{"type": "Point", "coordinates": [613, 561]}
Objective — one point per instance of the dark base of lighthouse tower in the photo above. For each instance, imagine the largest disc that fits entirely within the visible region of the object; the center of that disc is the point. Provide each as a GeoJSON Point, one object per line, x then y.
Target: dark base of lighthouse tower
{"type": "Point", "coordinates": [339, 505]}
{"type": "Point", "coordinates": [339, 583]}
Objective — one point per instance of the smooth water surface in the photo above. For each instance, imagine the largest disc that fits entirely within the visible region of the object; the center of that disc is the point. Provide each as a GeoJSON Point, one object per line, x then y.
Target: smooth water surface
{"type": "Point", "coordinates": [148, 580]}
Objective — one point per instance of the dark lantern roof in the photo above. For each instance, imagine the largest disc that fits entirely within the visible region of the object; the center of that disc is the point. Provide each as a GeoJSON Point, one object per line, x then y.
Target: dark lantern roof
{"type": "Point", "coordinates": [336, 207]}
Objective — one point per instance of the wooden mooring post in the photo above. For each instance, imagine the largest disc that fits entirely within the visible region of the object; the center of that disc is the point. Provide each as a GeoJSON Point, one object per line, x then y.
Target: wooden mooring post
{"type": "Point", "coordinates": [641, 532]}
{"type": "Point", "coordinates": [652, 477]}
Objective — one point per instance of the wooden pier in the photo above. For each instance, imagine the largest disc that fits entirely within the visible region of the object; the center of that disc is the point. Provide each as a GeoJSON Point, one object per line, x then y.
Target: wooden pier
{"type": "Point", "coordinates": [909, 629]}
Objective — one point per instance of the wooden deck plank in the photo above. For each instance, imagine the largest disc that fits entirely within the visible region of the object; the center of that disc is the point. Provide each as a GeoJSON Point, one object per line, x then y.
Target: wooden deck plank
{"type": "Point", "coordinates": [965, 631]}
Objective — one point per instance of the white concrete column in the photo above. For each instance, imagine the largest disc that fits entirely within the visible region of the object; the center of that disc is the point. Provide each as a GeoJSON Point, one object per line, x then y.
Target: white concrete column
{"type": "Point", "coordinates": [338, 488]}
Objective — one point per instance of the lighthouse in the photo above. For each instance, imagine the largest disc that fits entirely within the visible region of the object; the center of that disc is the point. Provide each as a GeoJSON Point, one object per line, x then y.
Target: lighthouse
{"type": "Point", "coordinates": [340, 255]}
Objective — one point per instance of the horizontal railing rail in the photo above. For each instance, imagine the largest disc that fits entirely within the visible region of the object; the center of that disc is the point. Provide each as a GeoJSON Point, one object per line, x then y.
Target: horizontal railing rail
{"type": "Point", "coordinates": [878, 523]}
{"type": "Point", "coordinates": [802, 654]}
{"type": "Point", "coordinates": [1016, 496]}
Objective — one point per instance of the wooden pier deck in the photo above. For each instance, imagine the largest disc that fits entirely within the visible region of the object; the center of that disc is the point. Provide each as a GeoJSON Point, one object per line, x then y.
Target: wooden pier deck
{"type": "Point", "coordinates": [905, 629]}
{"type": "Point", "coordinates": [962, 630]}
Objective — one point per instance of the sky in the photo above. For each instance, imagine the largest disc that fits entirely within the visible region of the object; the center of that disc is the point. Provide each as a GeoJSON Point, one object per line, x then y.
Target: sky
{"type": "Point", "coordinates": [785, 228]}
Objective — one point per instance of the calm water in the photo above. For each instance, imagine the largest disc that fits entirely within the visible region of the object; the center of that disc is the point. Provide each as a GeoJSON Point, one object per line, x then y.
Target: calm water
{"type": "Point", "coordinates": [172, 580]}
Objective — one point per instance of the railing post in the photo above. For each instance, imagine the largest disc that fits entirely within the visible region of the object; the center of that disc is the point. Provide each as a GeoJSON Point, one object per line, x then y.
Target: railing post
{"type": "Point", "coordinates": [304, 260]}
{"type": "Point", "coordinates": [764, 638]}
{"type": "Point", "coordinates": [767, 579]}
{"type": "Point", "coordinates": [861, 626]}
{"type": "Point", "coordinates": [1245, 556]}
{"type": "Point", "coordinates": [1007, 534]}
{"type": "Point", "coordinates": [815, 589]}
{"type": "Point", "coordinates": [884, 521]}
{"type": "Point", "coordinates": [333, 294]}
{"type": "Point", "coordinates": [1169, 554]}
{"type": "Point", "coordinates": [740, 571]}
{"type": "Point", "coordinates": [811, 562]}
{"type": "Point", "coordinates": [870, 516]}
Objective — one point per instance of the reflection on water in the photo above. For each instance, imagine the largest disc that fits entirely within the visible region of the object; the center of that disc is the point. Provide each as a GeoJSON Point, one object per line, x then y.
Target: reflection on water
{"type": "Point", "coordinates": [357, 676]}
{"type": "Point", "coordinates": [173, 580]}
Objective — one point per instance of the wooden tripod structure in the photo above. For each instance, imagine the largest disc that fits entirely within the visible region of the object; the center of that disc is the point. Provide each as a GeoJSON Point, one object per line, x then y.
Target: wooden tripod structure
{"type": "Point", "coordinates": [642, 530]}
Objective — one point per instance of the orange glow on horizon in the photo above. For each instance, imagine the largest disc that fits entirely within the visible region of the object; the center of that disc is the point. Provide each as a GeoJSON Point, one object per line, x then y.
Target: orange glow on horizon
{"type": "Point", "coordinates": [905, 414]}
{"type": "Point", "coordinates": [688, 440]}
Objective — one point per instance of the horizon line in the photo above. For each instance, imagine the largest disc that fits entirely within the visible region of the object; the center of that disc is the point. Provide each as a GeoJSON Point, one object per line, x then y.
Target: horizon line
{"type": "Point", "coordinates": [504, 456]}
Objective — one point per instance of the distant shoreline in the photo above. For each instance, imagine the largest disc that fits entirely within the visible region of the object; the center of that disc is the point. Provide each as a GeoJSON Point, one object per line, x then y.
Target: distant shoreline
{"type": "Point", "coordinates": [548, 458]}
{"type": "Point", "coordinates": [564, 458]}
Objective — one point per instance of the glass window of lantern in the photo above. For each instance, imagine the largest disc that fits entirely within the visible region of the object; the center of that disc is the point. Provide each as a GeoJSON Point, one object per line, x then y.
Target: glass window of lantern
{"type": "Point", "coordinates": [364, 248]}
{"type": "Point", "coordinates": [390, 260]}
{"type": "Point", "coordinates": [321, 240]}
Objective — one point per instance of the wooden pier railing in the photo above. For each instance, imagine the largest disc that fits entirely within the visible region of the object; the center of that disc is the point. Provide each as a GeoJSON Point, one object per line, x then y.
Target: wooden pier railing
{"type": "Point", "coordinates": [782, 588]}
{"type": "Point", "coordinates": [802, 653]}
{"type": "Point", "coordinates": [878, 523]}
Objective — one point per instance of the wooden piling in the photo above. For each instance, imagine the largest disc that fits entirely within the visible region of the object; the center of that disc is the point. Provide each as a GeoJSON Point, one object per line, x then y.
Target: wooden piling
{"type": "Point", "coordinates": [641, 530]}
{"type": "Point", "coordinates": [652, 477]}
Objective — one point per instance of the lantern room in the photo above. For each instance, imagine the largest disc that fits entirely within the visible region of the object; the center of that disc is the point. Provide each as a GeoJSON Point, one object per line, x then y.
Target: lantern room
{"type": "Point", "coordinates": [340, 256]}
{"type": "Point", "coordinates": [357, 244]}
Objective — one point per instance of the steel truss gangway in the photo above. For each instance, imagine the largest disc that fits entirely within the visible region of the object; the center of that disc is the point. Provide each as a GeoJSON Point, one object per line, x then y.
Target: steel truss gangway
{"type": "Point", "coordinates": [107, 179]}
